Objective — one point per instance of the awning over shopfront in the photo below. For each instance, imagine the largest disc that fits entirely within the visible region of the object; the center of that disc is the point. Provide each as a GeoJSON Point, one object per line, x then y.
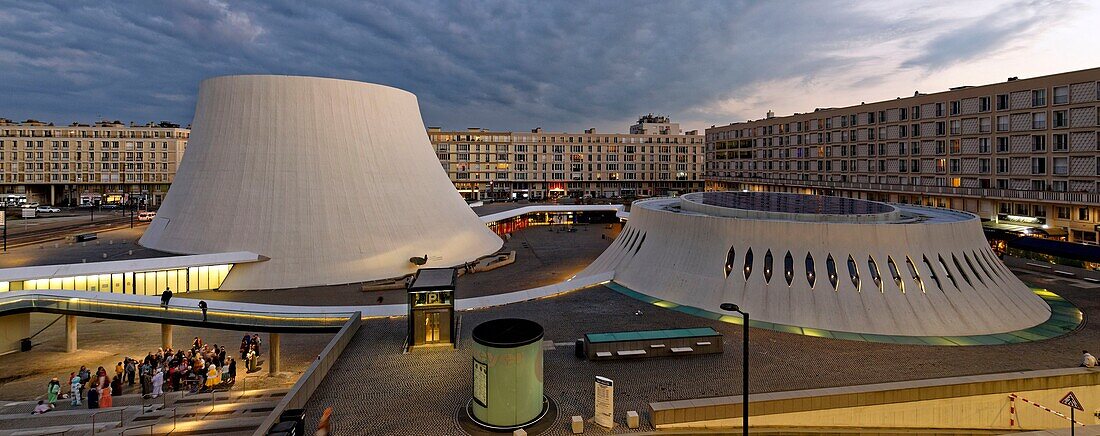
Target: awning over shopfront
{"type": "Point", "coordinates": [1069, 250]}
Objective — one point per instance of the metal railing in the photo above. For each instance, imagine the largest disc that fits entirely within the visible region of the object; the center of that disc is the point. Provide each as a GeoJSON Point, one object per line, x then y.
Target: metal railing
{"type": "Point", "coordinates": [120, 417]}
{"type": "Point", "coordinates": [1007, 194]}
{"type": "Point", "coordinates": [103, 306]}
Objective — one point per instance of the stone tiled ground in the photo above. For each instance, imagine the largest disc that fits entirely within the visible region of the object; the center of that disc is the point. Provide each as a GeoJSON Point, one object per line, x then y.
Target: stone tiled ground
{"type": "Point", "coordinates": [377, 390]}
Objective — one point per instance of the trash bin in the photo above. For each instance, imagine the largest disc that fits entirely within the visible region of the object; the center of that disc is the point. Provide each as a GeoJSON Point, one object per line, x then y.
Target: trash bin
{"type": "Point", "coordinates": [286, 427]}
{"type": "Point", "coordinates": [578, 349]}
{"type": "Point", "coordinates": [25, 344]}
{"type": "Point", "coordinates": [298, 416]}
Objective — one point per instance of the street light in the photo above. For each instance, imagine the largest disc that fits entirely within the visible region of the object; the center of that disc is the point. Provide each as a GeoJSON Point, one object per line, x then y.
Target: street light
{"type": "Point", "coordinates": [730, 307]}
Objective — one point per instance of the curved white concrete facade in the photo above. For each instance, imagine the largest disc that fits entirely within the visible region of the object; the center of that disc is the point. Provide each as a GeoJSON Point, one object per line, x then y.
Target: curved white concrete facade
{"type": "Point", "coordinates": [334, 180]}
{"type": "Point", "coordinates": [684, 256]}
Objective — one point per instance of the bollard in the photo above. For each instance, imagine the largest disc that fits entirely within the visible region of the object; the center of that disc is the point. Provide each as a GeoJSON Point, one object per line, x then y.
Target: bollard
{"type": "Point", "coordinates": [84, 244]}
{"type": "Point", "coordinates": [577, 425]}
{"type": "Point", "coordinates": [56, 244]}
{"type": "Point", "coordinates": [84, 260]}
{"type": "Point", "coordinates": [104, 255]}
{"type": "Point", "coordinates": [131, 252]}
{"type": "Point", "coordinates": [632, 420]}
{"type": "Point", "coordinates": [519, 432]}
{"type": "Point", "coordinates": [111, 242]}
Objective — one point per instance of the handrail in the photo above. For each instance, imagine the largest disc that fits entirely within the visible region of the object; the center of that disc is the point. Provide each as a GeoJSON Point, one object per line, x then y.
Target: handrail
{"type": "Point", "coordinates": [121, 415]}
{"type": "Point", "coordinates": [238, 319]}
{"type": "Point", "coordinates": [150, 425]}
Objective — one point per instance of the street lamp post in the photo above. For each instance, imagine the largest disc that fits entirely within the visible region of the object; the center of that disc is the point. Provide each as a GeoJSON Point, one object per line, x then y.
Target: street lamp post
{"type": "Point", "coordinates": [730, 307]}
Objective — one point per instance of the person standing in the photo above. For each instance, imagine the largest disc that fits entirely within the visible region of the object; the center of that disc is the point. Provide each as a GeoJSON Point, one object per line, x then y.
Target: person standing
{"type": "Point", "coordinates": [202, 307]}
{"type": "Point", "coordinates": [120, 370]}
{"type": "Point", "coordinates": [232, 370]}
{"type": "Point", "coordinates": [158, 383]}
{"type": "Point", "coordinates": [165, 297]}
{"type": "Point", "coordinates": [131, 370]}
{"type": "Point", "coordinates": [76, 387]}
{"type": "Point", "coordinates": [53, 389]}
{"type": "Point", "coordinates": [105, 396]}
{"type": "Point", "coordinates": [246, 344]}
{"type": "Point", "coordinates": [256, 343]}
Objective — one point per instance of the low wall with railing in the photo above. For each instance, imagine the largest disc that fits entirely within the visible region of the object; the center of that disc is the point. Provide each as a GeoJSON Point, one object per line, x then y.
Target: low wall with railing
{"type": "Point", "coordinates": [313, 376]}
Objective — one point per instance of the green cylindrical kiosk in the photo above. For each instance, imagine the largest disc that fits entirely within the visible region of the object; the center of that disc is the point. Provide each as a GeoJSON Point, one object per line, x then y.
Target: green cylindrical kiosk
{"type": "Point", "coordinates": [507, 373]}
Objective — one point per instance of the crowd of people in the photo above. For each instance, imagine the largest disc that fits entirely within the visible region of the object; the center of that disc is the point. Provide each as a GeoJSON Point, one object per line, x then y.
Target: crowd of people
{"type": "Point", "coordinates": [201, 368]}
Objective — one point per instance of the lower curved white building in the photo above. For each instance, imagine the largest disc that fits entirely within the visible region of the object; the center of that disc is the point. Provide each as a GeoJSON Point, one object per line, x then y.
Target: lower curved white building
{"type": "Point", "coordinates": [334, 181]}
{"type": "Point", "coordinates": [829, 263]}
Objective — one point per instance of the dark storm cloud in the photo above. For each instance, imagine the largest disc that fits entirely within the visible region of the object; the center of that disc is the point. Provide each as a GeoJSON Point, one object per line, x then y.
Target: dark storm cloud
{"type": "Point", "coordinates": [986, 35]}
{"type": "Point", "coordinates": [511, 65]}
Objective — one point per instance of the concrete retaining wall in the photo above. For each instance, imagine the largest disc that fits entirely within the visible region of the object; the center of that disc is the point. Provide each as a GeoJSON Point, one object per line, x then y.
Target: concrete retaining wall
{"type": "Point", "coordinates": [973, 402]}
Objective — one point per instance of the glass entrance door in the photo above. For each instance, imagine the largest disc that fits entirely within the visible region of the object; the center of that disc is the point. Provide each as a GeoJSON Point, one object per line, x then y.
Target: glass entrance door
{"type": "Point", "coordinates": [431, 327]}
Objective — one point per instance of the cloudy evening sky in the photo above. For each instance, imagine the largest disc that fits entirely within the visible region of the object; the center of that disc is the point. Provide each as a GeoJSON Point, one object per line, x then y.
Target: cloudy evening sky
{"type": "Point", "coordinates": [517, 65]}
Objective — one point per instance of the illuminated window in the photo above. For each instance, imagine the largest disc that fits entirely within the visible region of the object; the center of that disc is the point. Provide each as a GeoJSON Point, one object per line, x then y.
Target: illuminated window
{"type": "Point", "coordinates": [811, 277]}
{"type": "Point", "coordinates": [830, 266]}
{"type": "Point", "coordinates": [932, 273]}
{"type": "Point", "coordinates": [853, 272]}
{"type": "Point", "coordinates": [894, 273]}
{"type": "Point", "coordinates": [748, 264]}
{"type": "Point", "coordinates": [914, 273]}
{"type": "Point", "coordinates": [875, 276]}
{"type": "Point", "coordinates": [788, 268]}
{"type": "Point", "coordinates": [729, 261]}
{"type": "Point", "coordinates": [768, 266]}
{"type": "Point", "coordinates": [961, 270]}
{"type": "Point", "coordinates": [947, 272]}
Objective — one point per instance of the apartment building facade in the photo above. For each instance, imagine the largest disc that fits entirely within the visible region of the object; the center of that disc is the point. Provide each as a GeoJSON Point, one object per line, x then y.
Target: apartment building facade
{"type": "Point", "coordinates": [660, 159]}
{"type": "Point", "coordinates": [80, 164]}
{"type": "Point", "coordinates": [1023, 153]}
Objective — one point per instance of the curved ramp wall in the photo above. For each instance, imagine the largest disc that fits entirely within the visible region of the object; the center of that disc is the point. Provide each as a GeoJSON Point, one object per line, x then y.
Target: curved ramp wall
{"type": "Point", "coordinates": [334, 180]}
{"type": "Point", "coordinates": [685, 257]}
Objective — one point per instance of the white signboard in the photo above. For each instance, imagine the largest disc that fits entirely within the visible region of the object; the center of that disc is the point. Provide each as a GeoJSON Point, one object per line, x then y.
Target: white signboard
{"type": "Point", "coordinates": [3, 218]}
{"type": "Point", "coordinates": [481, 383]}
{"type": "Point", "coordinates": [605, 402]}
{"type": "Point", "coordinates": [28, 212]}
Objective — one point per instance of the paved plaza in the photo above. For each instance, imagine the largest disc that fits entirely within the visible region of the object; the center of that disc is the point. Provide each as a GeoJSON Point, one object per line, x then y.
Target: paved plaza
{"type": "Point", "coordinates": [545, 255]}
{"type": "Point", "coordinates": [375, 389]}
{"type": "Point", "coordinates": [120, 244]}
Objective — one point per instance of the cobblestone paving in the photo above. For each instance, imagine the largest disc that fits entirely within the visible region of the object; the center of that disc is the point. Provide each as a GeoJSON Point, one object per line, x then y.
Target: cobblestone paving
{"type": "Point", "coordinates": [377, 390]}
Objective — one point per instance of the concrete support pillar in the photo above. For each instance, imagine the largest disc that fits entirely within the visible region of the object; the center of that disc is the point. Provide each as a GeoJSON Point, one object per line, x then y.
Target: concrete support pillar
{"type": "Point", "coordinates": [166, 336]}
{"type": "Point", "coordinates": [53, 195]}
{"type": "Point", "coordinates": [70, 333]}
{"type": "Point", "coordinates": [273, 359]}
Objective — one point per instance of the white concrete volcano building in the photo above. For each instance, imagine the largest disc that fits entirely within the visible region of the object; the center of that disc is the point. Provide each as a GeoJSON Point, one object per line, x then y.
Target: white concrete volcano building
{"type": "Point", "coordinates": [334, 180]}
{"type": "Point", "coordinates": [828, 263]}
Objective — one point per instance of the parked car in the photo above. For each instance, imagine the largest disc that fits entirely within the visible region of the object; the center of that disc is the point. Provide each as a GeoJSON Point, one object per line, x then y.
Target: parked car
{"type": "Point", "coordinates": [29, 205]}
{"type": "Point", "coordinates": [47, 209]}
{"type": "Point", "coordinates": [146, 216]}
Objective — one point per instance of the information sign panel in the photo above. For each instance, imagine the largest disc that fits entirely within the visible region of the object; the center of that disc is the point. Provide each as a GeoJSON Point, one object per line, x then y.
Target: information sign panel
{"type": "Point", "coordinates": [605, 402]}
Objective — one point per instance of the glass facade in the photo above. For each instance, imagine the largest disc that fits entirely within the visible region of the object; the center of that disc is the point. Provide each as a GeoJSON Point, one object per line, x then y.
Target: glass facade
{"type": "Point", "coordinates": [196, 278]}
